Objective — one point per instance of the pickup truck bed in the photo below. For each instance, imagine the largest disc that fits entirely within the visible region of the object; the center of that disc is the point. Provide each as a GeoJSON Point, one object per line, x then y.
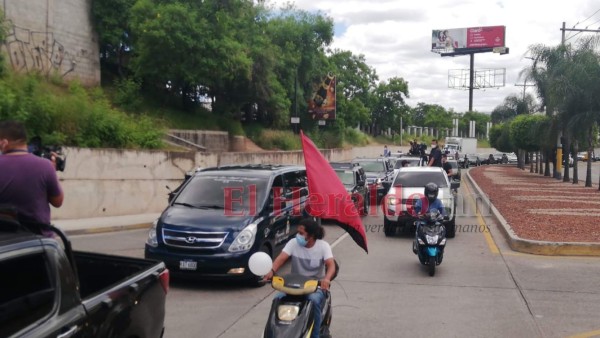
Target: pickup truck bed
{"type": "Point", "coordinates": [54, 292]}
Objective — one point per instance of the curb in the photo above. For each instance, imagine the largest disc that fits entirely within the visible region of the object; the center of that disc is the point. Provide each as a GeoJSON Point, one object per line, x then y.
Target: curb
{"type": "Point", "coordinates": [99, 230]}
{"type": "Point", "coordinates": [535, 247]}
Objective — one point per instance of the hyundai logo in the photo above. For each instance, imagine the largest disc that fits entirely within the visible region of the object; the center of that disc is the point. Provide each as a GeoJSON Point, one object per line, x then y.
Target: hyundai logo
{"type": "Point", "coordinates": [190, 239]}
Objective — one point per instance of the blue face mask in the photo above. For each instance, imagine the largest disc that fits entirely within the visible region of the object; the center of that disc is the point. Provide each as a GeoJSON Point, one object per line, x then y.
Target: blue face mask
{"type": "Point", "coordinates": [301, 240]}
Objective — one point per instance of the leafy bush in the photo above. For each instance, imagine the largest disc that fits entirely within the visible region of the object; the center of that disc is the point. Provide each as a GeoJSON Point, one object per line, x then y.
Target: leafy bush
{"type": "Point", "coordinates": [355, 137]}
{"type": "Point", "coordinates": [278, 140]}
{"type": "Point", "coordinates": [128, 94]}
{"type": "Point", "coordinates": [73, 116]}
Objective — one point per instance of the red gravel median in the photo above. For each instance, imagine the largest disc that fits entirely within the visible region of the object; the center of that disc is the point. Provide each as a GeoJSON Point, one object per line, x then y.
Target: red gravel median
{"type": "Point", "coordinates": [541, 208]}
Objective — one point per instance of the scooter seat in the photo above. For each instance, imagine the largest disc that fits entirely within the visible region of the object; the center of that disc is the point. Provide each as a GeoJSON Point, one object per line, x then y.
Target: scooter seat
{"type": "Point", "coordinates": [294, 284]}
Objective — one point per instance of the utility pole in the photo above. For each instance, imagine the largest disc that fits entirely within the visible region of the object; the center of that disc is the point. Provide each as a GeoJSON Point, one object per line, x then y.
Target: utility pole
{"type": "Point", "coordinates": [524, 85]}
{"type": "Point", "coordinates": [471, 79]}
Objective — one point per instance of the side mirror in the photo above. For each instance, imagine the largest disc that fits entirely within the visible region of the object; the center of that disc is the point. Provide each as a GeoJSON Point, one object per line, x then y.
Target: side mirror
{"type": "Point", "coordinates": [454, 185]}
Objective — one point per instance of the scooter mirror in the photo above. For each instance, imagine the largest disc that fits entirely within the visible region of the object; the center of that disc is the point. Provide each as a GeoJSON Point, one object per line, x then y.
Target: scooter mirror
{"type": "Point", "coordinates": [260, 263]}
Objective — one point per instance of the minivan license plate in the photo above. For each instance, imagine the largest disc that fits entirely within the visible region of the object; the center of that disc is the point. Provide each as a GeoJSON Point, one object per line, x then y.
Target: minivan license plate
{"type": "Point", "coordinates": [188, 265]}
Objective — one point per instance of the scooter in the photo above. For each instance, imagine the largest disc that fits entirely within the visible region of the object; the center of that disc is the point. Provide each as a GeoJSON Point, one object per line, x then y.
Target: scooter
{"type": "Point", "coordinates": [293, 315]}
{"type": "Point", "coordinates": [430, 240]}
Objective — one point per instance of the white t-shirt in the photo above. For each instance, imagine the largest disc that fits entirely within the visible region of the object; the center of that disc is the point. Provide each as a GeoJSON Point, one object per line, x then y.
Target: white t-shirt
{"type": "Point", "coordinates": [309, 261]}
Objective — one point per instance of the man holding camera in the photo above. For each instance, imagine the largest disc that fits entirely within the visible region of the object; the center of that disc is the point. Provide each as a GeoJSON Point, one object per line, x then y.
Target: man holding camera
{"type": "Point", "coordinates": [27, 182]}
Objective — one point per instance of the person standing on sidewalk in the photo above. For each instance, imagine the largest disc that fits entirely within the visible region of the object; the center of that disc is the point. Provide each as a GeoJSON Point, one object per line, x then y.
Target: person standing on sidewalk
{"type": "Point", "coordinates": [27, 182]}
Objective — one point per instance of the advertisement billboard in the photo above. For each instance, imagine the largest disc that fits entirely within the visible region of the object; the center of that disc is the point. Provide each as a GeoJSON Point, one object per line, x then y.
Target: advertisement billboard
{"type": "Point", "coordinates": [321, 105]}
{"type": "Point", "coordinates": [465, 39]}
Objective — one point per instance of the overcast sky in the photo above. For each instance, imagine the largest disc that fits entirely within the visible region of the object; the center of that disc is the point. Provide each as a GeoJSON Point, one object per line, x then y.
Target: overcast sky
{"type": "Point", "coordinates": [395, 37]}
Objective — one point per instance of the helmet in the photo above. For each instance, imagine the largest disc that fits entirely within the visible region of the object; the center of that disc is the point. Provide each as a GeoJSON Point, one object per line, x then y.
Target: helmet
{"type": "Point", "coordinates": [431, 191]}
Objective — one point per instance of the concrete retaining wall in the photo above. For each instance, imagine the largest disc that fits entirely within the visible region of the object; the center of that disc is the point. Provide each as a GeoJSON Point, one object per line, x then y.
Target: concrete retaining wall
{"type": "Point", "coordinates": [110, 182]}
{"type": "Point", "coordinates": [52, 37]}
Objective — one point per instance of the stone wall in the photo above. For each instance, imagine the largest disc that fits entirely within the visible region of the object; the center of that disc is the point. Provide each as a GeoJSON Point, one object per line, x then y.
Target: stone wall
{"type": "Point", "coordinates": [52, 37]}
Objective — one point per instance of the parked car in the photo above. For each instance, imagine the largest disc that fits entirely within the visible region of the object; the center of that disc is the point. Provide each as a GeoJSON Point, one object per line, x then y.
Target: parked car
{"type": "Point", "coordinates": [49, 290]}
{"type": "Point", "coordinates": [380, 174]}
{"type": "Point", "coordinates": [512, 158]}
{"type": "Point", "coordinates": [355, 180]}
{"type": "Point", "coordinates": [408, 185]}
{"type": "Point", "coordinates": [223, 215]}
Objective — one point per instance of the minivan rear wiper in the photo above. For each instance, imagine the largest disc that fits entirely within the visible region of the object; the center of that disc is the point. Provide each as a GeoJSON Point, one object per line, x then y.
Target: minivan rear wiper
{"type": "Point", "coordinates": [210, 206]}
{"type": "Point", "coordinates": [186, 205]}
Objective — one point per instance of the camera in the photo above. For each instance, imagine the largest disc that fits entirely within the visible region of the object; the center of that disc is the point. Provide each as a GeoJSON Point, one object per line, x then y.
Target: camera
{"type": "Point", "coordinates": [35, 147]}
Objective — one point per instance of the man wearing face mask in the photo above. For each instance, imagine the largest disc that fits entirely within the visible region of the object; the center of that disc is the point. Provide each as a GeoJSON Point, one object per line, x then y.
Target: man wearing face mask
{"type": "Point", "coordinates": [311, 257]}
{"type": "Point", "coordinates": [27, 182]}
{"type": "Point", "coordinates": [435, 156]}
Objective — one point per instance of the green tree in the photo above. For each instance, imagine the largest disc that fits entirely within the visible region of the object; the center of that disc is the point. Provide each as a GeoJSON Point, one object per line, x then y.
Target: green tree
{"type": "Point", "coordinates": [500, 138]}
{"type": "Point", "coordinates": [512, 106]}
{"type": "Point", "coordinates": [523, 134]}
{"type": "Point", "coordinates": [389, 104]}
{"type": "Point", "coordinates": [356, 81]}
{"type": "Point", "coordinates": [111, 20]}
{"type": "Point", "coordinates": [481, 120]}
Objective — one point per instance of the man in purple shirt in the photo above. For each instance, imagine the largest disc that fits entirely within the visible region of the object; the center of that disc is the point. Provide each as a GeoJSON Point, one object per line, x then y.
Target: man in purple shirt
{"type": "Point", "coordinates": [27, 182]}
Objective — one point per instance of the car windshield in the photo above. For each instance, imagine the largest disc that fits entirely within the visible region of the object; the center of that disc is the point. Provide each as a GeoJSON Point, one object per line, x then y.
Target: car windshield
{"type": "Point", "coordinates": [372, 166]}
{"type": "Point", "coordinates": [223, 192]}
{"type": "Point", "coordinates": [420, 179]}
{"type": "Point", "coordinates": [412, 162]}
{"type": "Point", "coordinates": [346, 176]}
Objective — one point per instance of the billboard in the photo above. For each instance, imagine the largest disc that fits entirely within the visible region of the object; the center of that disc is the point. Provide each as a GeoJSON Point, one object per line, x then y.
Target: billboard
{"type": "Point", "coordinates": [464, 39]}
{"type": "Point", "coordinates": [321, 105]}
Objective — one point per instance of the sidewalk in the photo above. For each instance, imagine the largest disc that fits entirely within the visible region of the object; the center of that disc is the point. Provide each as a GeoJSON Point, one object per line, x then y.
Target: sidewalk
{"type": "Point", "coordinates": [86, 226]}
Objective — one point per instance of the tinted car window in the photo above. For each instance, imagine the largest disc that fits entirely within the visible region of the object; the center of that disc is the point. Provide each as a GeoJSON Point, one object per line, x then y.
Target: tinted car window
{"type": "Point", "coordinates": [346, 176]}
{"type": "Point", "coordinates": [412, 162]}
{"type": "Point", "coordinates": [420, 179]}
{"type": "Point", "coordinates": [31, 293]}
{"type": "Point", "coordinates": [226, 192]}
{"type": "Point", "coordinates": [372, 166]}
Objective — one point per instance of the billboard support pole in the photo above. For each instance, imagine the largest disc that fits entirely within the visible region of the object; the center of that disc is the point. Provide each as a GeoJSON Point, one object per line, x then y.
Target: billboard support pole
{"type": "Point", "coordinates": [471, 76]}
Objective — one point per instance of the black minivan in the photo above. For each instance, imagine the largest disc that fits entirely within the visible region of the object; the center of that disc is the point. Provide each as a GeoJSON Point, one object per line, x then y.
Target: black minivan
{"type": "Point", "coordinates": [222, 215]}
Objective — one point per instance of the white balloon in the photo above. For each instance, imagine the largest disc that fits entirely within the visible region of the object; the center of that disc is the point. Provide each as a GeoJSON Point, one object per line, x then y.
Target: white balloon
{"type": "Point", "coordinates": [260, 263]}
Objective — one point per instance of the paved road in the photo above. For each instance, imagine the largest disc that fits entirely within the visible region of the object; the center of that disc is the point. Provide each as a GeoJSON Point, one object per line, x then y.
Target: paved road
{"type": "Point", "coordinates": [482, 289]}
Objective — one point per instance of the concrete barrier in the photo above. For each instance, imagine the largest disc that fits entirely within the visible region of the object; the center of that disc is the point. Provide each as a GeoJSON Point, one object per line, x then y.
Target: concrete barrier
{"type": "Point", "coordinates": [113, 182]}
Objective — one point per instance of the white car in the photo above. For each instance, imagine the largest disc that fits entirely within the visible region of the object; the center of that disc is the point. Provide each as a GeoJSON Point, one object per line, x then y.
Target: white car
{"type": "Point", "coordinates": [408, 186]}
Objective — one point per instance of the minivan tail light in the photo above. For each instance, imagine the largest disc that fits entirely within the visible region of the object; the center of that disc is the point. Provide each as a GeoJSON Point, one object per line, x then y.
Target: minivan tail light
{"type": "Point", "coordinates": [163, 278]}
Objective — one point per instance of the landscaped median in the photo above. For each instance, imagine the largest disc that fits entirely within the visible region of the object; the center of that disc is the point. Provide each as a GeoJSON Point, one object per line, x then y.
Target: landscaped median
{"type": "Point", "coordinates": [540, 215]}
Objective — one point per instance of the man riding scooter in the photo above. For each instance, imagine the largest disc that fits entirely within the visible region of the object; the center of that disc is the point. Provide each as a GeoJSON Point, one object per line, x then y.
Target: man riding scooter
{"type": "Point", "coordinates": [431, 193]}
{"type": "Point", "coordinates": [311, 257]}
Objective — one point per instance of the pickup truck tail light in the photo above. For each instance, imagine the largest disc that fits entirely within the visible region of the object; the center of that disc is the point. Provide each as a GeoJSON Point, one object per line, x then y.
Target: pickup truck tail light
{"type": "Point", "coordinates": [163, 278]}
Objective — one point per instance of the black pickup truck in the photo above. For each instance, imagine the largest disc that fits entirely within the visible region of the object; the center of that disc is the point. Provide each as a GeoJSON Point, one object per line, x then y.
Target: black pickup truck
{"type": "Point", "coordinates": [49, 290]}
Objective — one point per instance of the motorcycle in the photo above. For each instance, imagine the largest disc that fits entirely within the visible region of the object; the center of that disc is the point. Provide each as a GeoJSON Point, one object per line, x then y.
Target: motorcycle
{"type": "Point", "coordinates": [430, 240]}
{"type": "Point", "coordinates": [292, 315]}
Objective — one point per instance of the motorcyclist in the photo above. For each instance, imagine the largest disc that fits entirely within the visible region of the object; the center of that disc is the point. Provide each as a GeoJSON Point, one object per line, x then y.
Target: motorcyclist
{"type": "Point", "coordinates": [433, 203]}
{"type": "Point", "coordinates": [311, 257]}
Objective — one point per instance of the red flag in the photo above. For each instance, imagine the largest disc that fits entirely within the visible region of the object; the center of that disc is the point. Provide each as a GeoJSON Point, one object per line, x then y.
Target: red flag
{"type": "Point", "coordinates": [328, 197]}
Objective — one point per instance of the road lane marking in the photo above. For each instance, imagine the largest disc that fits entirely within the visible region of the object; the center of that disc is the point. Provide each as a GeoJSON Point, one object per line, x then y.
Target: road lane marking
{"type": "Point", "coordinates": [486, 234]}
{"type": "Point", "coordinates": [341, 238]}
{"type": "Point", "coordinates": [587, 334]}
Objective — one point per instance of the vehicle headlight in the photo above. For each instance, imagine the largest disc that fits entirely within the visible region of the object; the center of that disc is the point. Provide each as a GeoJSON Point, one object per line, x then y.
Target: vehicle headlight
{"type": "Point", "coordinates": [288, 312]}
{"type": "Point", "coordinates": [245, 239]}
{"type": "Point", "coordinates": [443, 242]}
{"type": "Point", "coordinates": [152, 237]}
{"type": "Point", "coordinates": [378, 181]}
{"type": "Point", "coordinates": [432, 240]}
{"type": "Point", "coordinates": [421, 242]}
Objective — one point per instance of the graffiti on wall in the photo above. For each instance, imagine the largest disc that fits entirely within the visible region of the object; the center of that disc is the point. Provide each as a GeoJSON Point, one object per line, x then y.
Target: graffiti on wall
{"type": "Point", "coordinates": [34, 51]}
